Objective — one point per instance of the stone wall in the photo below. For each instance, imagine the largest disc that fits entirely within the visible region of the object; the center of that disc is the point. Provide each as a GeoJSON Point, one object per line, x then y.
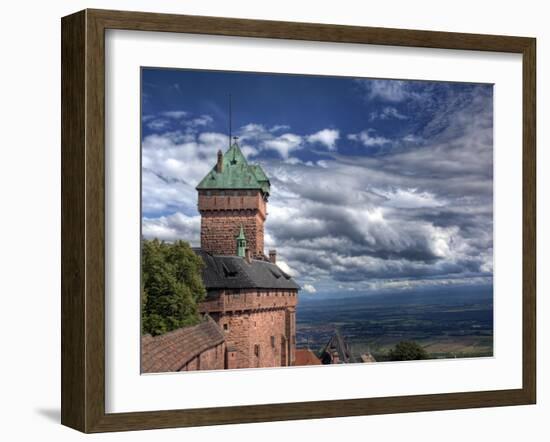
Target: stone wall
{"type": "Point", "coordinates": [210, 359]}
{"type": "Point", "coordinates": [259, 325]}
{"type": "Point", "coordinates": [226, 301]}
{"type": "Point", "coordinates": [219, 231]}
{"type": "Point", "coordinates": [290, 331]}
{"type": "Point", "coordinates": [256, 337]}
{"type": "Point", "coordinates": [213, 200]}
{"type": "Point", "coordinates": [223, 213]}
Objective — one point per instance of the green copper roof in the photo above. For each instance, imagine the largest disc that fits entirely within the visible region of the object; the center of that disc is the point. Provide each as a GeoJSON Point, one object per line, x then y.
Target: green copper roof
{"type": "Point", "coordinates": [236, 174]}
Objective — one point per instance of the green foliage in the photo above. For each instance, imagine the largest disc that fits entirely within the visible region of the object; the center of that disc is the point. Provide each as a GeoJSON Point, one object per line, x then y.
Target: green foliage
{"type": "Point", "coordinates": [171, 286]}
{"type": "Point", "coordinates": [407, 351]}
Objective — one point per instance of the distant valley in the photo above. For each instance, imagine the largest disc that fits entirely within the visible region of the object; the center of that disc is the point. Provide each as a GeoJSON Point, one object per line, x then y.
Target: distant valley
{"type": "Point", "coordinates": [448, 323]}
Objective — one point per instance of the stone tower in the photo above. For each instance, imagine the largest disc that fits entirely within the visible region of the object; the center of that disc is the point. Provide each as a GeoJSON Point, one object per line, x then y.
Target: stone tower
{"type": "Point", "coordinates": [233, 195]}
{"type": "Point", "coordinates": [248, 295]}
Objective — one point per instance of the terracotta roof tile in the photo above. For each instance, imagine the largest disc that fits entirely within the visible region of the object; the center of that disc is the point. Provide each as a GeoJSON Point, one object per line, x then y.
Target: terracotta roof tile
{"type": "Point", "coordinates": [305, 356]}
{"type": "Point", "coordinates": [172, 350]}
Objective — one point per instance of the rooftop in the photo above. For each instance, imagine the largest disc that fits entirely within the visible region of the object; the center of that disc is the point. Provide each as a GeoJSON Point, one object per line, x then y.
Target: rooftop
{"type": "Point", "coordinates": [229, 272]}
{"type": "Point", "coordinates": [236, 173]}
{"type": "Point", "coordinates": [337, 346]}
{"type": "Point", "coordinates": [304, 356]}
{"type": "Point", "coordinates": [173, 350]}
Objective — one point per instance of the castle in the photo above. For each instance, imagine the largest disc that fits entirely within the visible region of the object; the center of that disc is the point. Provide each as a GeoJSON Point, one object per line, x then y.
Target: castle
{"type": "Point", "coordinates": [250, 307]}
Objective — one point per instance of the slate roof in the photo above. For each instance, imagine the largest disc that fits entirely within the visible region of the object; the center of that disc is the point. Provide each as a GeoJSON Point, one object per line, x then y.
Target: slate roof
{"type": "Point", "coordinates": [173, 350]}
{"type": "Point", "coordinates": [337, 345]}
{"type": "Point", "coordinates": [234, 272]}
{"type": "Point", "coordinates": [236, 174]}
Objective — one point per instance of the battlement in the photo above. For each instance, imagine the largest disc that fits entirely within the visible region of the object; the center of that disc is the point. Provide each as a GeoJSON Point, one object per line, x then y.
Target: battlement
{"type": "Point", "coordinates": [251, 201]}
{"type": "Point", "coordinates": [226, 301]}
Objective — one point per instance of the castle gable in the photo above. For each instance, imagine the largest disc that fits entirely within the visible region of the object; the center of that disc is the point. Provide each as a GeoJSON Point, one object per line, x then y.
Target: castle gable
{"type": "Point", "coordinates": [337, 351]}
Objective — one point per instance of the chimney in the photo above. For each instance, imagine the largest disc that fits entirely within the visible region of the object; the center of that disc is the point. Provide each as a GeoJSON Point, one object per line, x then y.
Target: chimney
{"type": "Point", "coordinates": [273, 256]}
{"type": "Point", "coordinates": [248, 255]}
{"type": "Point", "coordinates": [219, 164]}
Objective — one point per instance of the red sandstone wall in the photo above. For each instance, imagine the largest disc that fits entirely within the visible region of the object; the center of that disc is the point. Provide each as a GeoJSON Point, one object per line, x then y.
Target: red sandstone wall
{"type": "Point", "coordinates": [256, 337]}
{"type": "Point", "coordinates": [222, 214]}
{"type": "Point", "coordinates": [251, 318]}
{"type": "Point", "coordinates": [290, 326]}
{"type": "Point", "coordinates": [260, 326]}
{"type": "Point", "coordinates": [247, 299]}
{"type": "Point", "coordinates": [211, 359]}
{"type": "Point", "coordinates": [232, 200]}
{"type": "Point", "coordinates": [219, 230]}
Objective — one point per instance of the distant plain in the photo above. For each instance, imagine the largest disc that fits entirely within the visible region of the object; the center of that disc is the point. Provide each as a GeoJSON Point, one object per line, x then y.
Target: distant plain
{"type": "Point", "coordinates": [448, 323]}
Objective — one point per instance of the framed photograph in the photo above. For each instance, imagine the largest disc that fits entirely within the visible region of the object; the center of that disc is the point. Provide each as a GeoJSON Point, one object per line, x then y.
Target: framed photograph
{"type": "Point", "coordinates": [267, 221]}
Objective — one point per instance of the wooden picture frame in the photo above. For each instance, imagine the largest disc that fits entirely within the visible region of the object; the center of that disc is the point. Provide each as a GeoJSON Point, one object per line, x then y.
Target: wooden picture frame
{"type": "Point", "coordinates": [83, 220]}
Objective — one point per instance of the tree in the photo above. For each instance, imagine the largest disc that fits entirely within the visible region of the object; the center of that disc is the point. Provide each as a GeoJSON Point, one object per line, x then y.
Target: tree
{"type": "Point", "coordinates": [171, 286]}
{"type": "Point", "coordinates": [407, 351]}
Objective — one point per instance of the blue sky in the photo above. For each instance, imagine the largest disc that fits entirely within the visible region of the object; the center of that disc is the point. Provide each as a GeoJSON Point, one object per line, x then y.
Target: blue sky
{"type": "Point", "coordinates": [376, 184]}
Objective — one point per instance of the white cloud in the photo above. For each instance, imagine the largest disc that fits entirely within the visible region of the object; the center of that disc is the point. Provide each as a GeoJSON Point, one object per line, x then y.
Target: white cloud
{"type": "Point", "coordinates": [173, 227]}
{"type": "Point", "coordinates": [389, 90]}
{"type": "Point", "coordinates": [326, 137]}
{"type": "Point", "coordinates": [309, 288]}
{"type": "Point", "coordinates": [418, 214]}
{"type": "Point", "coordinates": [286, 268]}
{"type": "Point", "coordinates": [172, 165]}
{"type": "Point", "coordinates": [368, 139]}
{"type": "Point", "coordinates": [174, 120]}
{"type": "Point", "coordinates": [410, 198]}
{"type": "Point", "coordinates": [158, 124]}
{"type": "Point", "coordinates": [279, 127]}
{"type": "Point", "coordinates": [260, 138]}
{"type": "Point", "coordinates": [410, 138]}
{"type": "Point", "coordinates": [249, 151]}
{"type": "Point", "coordinates": [284, 144]}
{"type": "Point", "coordinates": [175, 114]}
{"type": "Point", "coordinates": [203, 120]}
{"type": "Point", "coordinates": [387, 113]}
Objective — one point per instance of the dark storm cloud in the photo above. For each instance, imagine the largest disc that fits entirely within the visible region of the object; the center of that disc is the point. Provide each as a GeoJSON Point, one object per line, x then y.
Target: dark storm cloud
{"type": "Point", "coordinates": [368, 210]}
{"type": "Point", "coordinates": [413, 212]}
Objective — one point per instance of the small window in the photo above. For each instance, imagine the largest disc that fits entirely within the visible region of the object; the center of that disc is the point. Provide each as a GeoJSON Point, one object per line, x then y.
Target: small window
{"type": "Point", "coordinates": [225, 327]}
{"type": "Point", "coordinates": [257, 350]}
{"type": "Point", "coordinates": [273, 341]}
